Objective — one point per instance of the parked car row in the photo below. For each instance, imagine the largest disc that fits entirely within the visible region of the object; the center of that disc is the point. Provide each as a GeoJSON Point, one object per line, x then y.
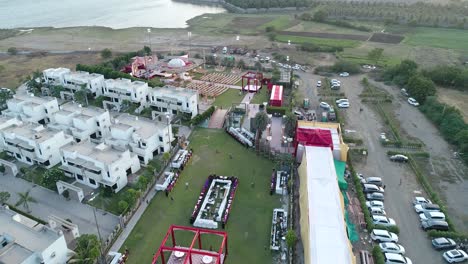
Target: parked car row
{"type": "Point", "coordinates": [433, 219]}
{"type": "Point", "coordinates": [374, 189]}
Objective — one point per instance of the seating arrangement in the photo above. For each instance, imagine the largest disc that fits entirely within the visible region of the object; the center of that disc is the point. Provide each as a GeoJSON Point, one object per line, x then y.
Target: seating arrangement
{"type": "Point", "coordinates": [206, 89]}
{"type": "Point", "coordinates": [222, 78]}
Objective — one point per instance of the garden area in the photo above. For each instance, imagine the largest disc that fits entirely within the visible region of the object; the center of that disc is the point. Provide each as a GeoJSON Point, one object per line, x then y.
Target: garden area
{"type": "Point", "coordinates": [249, 223]}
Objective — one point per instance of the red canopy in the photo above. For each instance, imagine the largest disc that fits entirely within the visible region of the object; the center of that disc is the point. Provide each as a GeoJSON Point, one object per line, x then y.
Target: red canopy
{"type": "Point", "coordinates": [314, 137]}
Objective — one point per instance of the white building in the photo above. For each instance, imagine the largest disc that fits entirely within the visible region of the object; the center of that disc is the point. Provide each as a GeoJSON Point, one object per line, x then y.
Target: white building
{"type": "Point", "coordinates": [124, 89]}
{"type": "Point", "coordinates": [144, 137]}
{"type": "Point", "coordinates": [25, 241]}
{"type": "Point", "coordinates": [82, 122]}
{"type": "Point", "coordinates": [98, 165]}
{"type": "Point", "coordinates": [92, 81]}
{"type": "Point", "coordinates": [174, 100]}
{"type": "Point", "coordinates": [29, 108]}
{"type": "Point", "coordinates": [33, 143]}
{"type": "Point", "coordinates": [55, 76]}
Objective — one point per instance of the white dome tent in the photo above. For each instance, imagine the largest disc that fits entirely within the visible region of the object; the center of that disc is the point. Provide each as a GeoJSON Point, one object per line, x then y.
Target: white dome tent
{"type": "Point", "coordinates": [176, 63]}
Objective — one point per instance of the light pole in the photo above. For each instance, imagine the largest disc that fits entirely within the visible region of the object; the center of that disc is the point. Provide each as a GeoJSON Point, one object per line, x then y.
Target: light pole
{"type": "Point", "coordinates": [189, 34]}
{"type": "Point", "coordinates": [168, 116]}
{"type": "Point", "coordinates": [149, 38]}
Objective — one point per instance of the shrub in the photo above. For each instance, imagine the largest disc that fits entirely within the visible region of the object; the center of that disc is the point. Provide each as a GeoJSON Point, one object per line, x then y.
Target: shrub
{"type": "Point", "coordinates": [378, 255]}
{"type": "Point", "coordinates": [200, 118]}
{"type": "Point", "coordinates": [453, 235]}
{"type": "Point", "coordinates": [106, 53]}
{"type": "Point", "coordinates": [12, 51]}
{"type": "Point", "coordinates": [276, 110]}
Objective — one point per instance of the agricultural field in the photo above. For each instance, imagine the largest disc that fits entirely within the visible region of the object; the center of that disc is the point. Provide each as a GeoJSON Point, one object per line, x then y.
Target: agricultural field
{"type": "Point", "coordinates": [250, 218]}
{"type": "Point", "coordinates": [319, 41]}
{"type": "Point", "coordinates": [311, 26]}
{"type": "Point", "coordinates": [454, 98]}
{"type": "Point", "coordinates": [456, 39]}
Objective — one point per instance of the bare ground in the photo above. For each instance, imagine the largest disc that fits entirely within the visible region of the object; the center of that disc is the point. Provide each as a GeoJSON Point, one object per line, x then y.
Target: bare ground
{"type": "Point", "coordinates": [455, 98]}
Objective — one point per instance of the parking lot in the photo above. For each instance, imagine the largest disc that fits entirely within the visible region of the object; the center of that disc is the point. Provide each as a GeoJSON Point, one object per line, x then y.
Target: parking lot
{"type": "Point", "coordinates": [398, 197]}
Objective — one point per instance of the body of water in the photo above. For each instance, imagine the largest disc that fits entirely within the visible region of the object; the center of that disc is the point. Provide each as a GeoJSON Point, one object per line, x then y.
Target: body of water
{"type": "Point", "coordinates": [107, 13]}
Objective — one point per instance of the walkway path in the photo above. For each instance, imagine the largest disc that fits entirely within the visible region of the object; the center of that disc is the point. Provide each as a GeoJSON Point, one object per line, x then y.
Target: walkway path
{"type": "Point", "coordinates": [227, 85]}
{"type": "Point", "coordinates": [217, 119]}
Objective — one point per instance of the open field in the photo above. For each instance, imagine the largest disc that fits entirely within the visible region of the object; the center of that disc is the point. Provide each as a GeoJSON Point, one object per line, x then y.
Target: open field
{"type": "Point", "coordinates": [16, 68]}
{"type": "Point", "coordinates": [249, 221]}
{"type": "Point", "coordinates": [454, 98]}
{"type": "Point", "coordinates": [435, 37]}
{"type": "Point", "coordinates": [319, 41]}
{"type": "Point", "coordinates": [311, 26]}
{"type": "Point", "coordinates": [325, 35]}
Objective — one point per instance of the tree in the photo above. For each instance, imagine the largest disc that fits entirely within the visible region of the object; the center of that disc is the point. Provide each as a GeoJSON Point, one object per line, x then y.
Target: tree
{"type": "Point", "coordinates": [375, 55]}
{"type": "Point", "coordinates": [290, 124]}
{"type": "Point", "coordinates": [147, 50]}
{"type": "Point", "coordinates": [320, 15]}
{"type": "Point", "coordinates": [81, 95]}
{"type": "Point", "coordinates": [34, 86]}
{"type": "Point", "coordinates": [131, 196]}
{"type": "Point", "coordinates": [142, 182]}
{"type": "Point", "coordinates": [106, 53]}
{"type": "Point", "coordinates": [258, 66]}
{"type": "Point", "coordinates": [2, 169]}
{"type": "Point", "coordinates": [56, 90]}
{"type": "Point", "coordinates": [12, 51]}
{"type": "Point", "coordinates": [260, 123]}
{"type": "Point", "coordinates": [87, 249]}
{"type": "Point", "coordinates": [25, 199]}
{"type": "Point", "coordinates": [123, 206]}
{"type": "Point", "coordinates": [241, 64]}
{"type": "Point", "coordinates": [51, 177]}
{"type": "Point", "coordinates": [291, 238]}
{"type": "Point", "coordinates": [4, 196]}
{"type": "Point", "coordinates": [420, 87]}
{"type": "Point", "coordinates": [166, 157]}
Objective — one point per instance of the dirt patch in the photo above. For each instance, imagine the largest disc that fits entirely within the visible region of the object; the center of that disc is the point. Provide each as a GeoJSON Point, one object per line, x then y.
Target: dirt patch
{"type": "Point", "coordinates": [386, 38]}
{"type": "Point", "coordinates": [325, 35]}
{"type": "Point", "coordinates": [249, 22]}
{"type": "Point", "coordinates": [16, 68]}
{"type": "Point", "coordinates": [456, 99]}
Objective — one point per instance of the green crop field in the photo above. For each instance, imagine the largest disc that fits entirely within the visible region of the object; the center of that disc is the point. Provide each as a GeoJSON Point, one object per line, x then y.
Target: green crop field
{"type": "Point", "coordinates": [456, 39]}
{"type": "Point", "coordinates": [250, 218]}
{"type": "Point", "coordinates": [319, 41]}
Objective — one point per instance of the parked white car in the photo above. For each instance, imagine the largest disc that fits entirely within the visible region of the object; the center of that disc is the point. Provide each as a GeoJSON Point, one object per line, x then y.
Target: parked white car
{"type": "Point", "coordinates": [377, 211]}
{"type": "Point", "coordinates": [319, 83]}
{"type": "Point", "coordinates": [343, 105]}
{"type": "Point", "coordinates": [378, 204]}
{"type": "Point", "coordinates": [420, 200]}
{"type": "Point", "coordinates": [324, 105]}
{"type": "Point", "coordinates": [432, 216]}
{"type": "Point", "coordinates": [390, 247]}
{"type": "Point", "coordinates": [421, 208]}
{"type": "Point", "coordinates": [344, 74]}
{"type": "Point", "coordinates": [380, 235]}
{"type": "Point", "coordinates": [399, 158]}
{"type": "Point", "coordinates": [413, 101]}
{"type": "Point", "coordinates": [342, 100]}
{"type": "Point", "coordinates": [393, 258]}
{"type": "Point", "coordinates": [455, 255]}
{"type": "Point", "coordinates": [383, 220]}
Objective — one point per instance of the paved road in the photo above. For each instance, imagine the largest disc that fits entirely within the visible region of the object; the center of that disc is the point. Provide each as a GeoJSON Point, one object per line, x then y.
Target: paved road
{"type": "Point", "coordinates": [50, 203]}
{"type": "Point", "coordinates": [398, 197]}
{"type": "Point", "coordinates": [448, 176]}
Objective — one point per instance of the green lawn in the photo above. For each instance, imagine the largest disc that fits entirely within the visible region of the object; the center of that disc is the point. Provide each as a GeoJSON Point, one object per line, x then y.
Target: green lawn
{"type": "Point", "coordinates": [110, 204]}
{"type": "Point", "coordinates": [319, 41]}
{"type": "Point", "coordinates": [438, 37]}
{"type": "Point", "coordinates": [249, 222]}
{"type": "Point", "coordinates": [281, 22]}
{"type": "Point", "coordinates": [311, 26]}
{"type": "Point", "coordinates": [227, 98]}
{"type": "Point", "coordinates": [261, 96]}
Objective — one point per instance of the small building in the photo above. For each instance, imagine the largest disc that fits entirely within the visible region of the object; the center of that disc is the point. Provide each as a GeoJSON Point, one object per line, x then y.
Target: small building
{"type": "Point", "coordinates": [82, 123]}
{"type": "Point", "coordinates": [55, 76]}
{"type": "Point", "coordinates": [34, 144]}
{"type": "Point", "coordinates": [29, 108]}
{"type": "Point", "coordinates": [94, 82]}
{"type": "Point", "coordinates": [119, 90]}
{"type": "Point", "coordinates": [276, 98]}
{"type": "Point", "coordinates": [98, 165]}
{"type": "Point", "coordinates": [144, 137]}
{"type": "Point", "coordinates": [25, 241]}
{"type": "Point", "coordinates": [174, 100]}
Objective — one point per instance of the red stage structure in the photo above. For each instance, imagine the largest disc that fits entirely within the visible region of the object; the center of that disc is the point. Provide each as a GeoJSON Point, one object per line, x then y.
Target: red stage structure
{"type": "Point", "coordinates": [190, 254]}
{"type": "Point", "coordinates": [253, 81]}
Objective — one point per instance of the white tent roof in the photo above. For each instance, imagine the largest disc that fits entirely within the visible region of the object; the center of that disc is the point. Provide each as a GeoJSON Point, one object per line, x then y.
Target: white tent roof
{"type": "Point", "coordinates": [176, 63]}
{"type": "Point", "coordinates": [328, 239]}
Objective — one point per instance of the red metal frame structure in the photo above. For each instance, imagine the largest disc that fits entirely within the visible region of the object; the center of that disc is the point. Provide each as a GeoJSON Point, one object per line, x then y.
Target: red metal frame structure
{"type": "Point", "coordinates": [191, 250]}
{"type": "Point", "coordinates": [256, 77]}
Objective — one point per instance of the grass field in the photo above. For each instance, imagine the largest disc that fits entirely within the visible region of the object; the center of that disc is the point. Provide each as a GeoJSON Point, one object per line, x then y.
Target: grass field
{"type": "Point", "coordinates": [227, 98]}
{"type": "Point", "coordinates": [456, 39]}
{"type": "Point", "coordinates": [249, 221]}
{"type": "Point", "coordinates": [454, 98]}
{"type": "Point", "coordinates": [261, 96]}
{"type": "Point", "coordinates": [319, 41]}
{"type": "Point", "coordinates": [310, 26]}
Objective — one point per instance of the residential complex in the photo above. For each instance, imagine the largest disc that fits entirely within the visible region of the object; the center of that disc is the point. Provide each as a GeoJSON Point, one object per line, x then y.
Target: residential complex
{"type": "Point", "coordinates": [30, 108]}
{"type": "Point", "coordinates": [144, 137]}
{"type": "Point", "coordinates": [169, 99]}
{"type": "Point", "coordinates": [124, 89]}
{"type": "Point", "coordinates": [82, 122]}
{"type": "Point", "coordinates": [25, 241]}
{"type": "Point", "coordinates": [33, 143]}
{"type": "Point", "coordinates": [98, 165]}
{"type": "Point", "coordinates": [174, 100]}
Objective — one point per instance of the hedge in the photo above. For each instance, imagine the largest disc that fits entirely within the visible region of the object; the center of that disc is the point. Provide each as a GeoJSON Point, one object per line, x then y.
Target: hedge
{"type": "Point", "coordinates": [200, 118]}
{"type": "Point", "coordinates": [276, 109]}
{"type": "Point", "coordinates": [454, 235]}
{"type": "Point", "coordinates": [378, 255]}
{"type": "Point", "coordinates": [26, 214]}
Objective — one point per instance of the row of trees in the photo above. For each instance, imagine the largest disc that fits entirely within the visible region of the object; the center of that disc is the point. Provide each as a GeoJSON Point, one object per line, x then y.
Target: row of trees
{"type": "Point", "coordinates": [269, 3]}
{"type": "Point", "coordinates": [406, 75]}
{"type": "Point", "coordinates": [448, 76]}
